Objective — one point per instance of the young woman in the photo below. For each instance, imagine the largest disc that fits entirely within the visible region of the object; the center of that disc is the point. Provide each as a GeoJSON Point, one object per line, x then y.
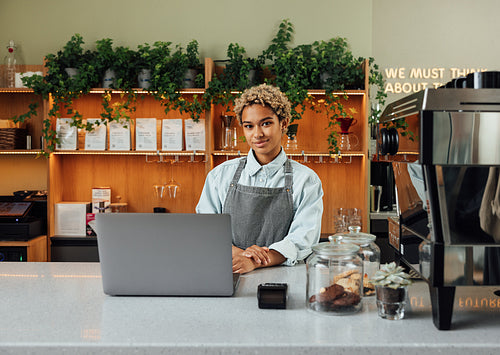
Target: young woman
{"type": "Point", "coordinates": [275, 203]}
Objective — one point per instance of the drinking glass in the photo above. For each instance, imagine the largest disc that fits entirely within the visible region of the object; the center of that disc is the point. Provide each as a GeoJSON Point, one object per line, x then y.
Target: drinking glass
{"type": "Point", "coordinates": [341, 220]}
{"type": "Point", "coordinates": [172, 186]}
{"type": "Point", "coordinates": [354, 217]}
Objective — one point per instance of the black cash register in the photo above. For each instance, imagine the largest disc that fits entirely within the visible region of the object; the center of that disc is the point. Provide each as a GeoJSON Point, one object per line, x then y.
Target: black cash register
{"type": "Point", "coordinates": [22, 219]}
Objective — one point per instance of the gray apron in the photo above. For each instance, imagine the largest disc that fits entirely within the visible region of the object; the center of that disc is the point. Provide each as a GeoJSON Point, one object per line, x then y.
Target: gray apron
{"type": "Point", "coordinates": [259, 215]}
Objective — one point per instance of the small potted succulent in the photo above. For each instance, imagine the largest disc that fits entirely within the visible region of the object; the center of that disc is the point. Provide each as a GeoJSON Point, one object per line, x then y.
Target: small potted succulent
{"type": "Point", "coordinates": [391, 284]}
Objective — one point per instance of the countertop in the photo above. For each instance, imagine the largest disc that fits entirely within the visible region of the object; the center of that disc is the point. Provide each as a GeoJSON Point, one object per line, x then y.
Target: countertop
{"type": "Point", "coordinates": [60, 308]}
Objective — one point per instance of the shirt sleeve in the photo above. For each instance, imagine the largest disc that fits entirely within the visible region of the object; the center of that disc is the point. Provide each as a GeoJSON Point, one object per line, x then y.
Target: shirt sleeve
{"type": "Point", "coordinates": [210, 201]}
{"type": "Point", "coordinates": [305, 228]}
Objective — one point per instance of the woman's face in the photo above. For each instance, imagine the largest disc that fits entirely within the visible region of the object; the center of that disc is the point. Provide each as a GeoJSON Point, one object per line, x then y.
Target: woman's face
{"type": "Point", "coordinates": [263, 131]}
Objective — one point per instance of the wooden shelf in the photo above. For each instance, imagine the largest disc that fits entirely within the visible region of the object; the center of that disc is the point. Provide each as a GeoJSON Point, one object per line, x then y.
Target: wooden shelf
{"type": "Point", "coordinates": [183, 153]}
{"type": "Point", "coordinates": [353, 153]}
{"type": "Point", "coordinates": [36, 248]}
{"type": "Point", "coordinates": [21, 152]}
{"type": "Point", "coordinates": [346, 92]}
{"type": "Point", "coordinates": [16, 90]}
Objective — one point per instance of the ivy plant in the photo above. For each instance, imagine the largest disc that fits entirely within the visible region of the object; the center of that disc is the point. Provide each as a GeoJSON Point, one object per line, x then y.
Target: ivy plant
{"type": "Point", "coordinates": [235, 77]}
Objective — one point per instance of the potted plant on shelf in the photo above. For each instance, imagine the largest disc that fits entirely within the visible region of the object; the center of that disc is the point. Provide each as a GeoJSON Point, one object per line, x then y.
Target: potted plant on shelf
{"type": "Point", "coordinates": [235, 77]}
{"type": "Point", "coordinates": [62, 87]}
{"type": "Point", "coordinates": [391, 284]}
{"type": "Point", "coordinates": [168, 71]}
{"type": "Point", "coordinates": [294, 69]}
{"type": "Point", "coordinates": [71, 57]}
{"type": "Point", "coordinates": [193, 77]}
{"type": "Point", "coordinates": [116, 66]}
{"type": "Point", "coordinates": [145, 62]}
{"type": "Point", "coordinates": [105, 62]}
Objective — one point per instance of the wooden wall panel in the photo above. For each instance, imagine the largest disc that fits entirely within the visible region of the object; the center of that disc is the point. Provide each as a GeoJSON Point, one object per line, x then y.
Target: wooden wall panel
{"type": "Point", "coordinates": [130, 177]}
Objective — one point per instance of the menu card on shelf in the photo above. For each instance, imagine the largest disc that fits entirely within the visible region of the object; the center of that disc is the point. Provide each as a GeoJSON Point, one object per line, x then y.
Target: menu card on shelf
{"type": "Point", "coordinates": [119, 135]}
{"type": "Point", "coordinates": [101, 199]}
{"type": "Point", "coordinates": [145, 134]}
{"type": "Point", "coordinates": [171, 134]}
{"type": "Point", "coordinates": [195, 134]}
{"type": "Point", "coordinates": [67, 134]}
{"type": "Point", "coordinates": [96, 139]}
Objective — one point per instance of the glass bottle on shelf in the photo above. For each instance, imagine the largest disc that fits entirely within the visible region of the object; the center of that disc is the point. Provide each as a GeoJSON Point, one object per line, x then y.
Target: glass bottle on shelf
{"type": "Point", "coordinates": [229, 135]}
{"type": "Point", "coordinates": [10, 62]}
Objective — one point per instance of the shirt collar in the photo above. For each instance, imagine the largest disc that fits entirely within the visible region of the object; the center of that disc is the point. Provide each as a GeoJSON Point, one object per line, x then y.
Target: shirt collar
{"type": "Point", "coordinates": [253, 166]}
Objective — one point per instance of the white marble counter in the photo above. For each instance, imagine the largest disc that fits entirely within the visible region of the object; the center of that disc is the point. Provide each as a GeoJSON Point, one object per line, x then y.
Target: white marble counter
{"type": "Point", "coordinates": [60, 308]}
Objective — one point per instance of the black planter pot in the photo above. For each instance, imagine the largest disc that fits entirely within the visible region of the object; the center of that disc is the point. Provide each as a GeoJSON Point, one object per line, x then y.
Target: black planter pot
{"type": "Point", "coordinates": [391, 295]}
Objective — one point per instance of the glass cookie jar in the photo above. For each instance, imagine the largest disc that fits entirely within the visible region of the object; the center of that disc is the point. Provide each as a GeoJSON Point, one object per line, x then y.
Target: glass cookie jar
{"type": "Point", "coordinates": [334, 278]}
{"type": "Point", "coordinates": [369, 253]}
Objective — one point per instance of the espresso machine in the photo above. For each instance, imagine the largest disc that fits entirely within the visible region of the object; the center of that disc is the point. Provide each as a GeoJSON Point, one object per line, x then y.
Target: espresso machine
{"type": "Point", "coordinates": [444, 145]}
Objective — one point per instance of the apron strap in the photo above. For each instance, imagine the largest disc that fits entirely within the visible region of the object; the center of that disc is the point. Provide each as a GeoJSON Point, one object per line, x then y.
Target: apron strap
{"type": "Point", "coordinates": [237, 174]}
{"type": "Point", "coordinates": [288, 176]}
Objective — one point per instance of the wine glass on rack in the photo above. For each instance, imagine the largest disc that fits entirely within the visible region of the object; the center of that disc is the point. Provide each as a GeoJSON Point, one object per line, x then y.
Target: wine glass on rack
{"type": "Point", "coordinates": [172, 186]}
{"type": "Point", "coordinates": [159, 192]}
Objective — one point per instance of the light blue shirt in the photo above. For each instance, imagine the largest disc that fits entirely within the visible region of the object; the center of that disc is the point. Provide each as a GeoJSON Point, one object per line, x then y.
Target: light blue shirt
{"type": "Point", "coordinates": [307, 199]}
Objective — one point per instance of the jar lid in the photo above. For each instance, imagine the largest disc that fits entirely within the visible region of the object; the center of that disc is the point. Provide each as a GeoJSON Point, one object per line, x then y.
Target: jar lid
{"type": "Point", "coordinates": [335, 248]}
{"type": "Point", "coordinates": [355, 236]}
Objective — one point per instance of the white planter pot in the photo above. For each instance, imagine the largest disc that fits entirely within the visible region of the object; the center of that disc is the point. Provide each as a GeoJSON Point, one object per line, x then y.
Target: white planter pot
{"type": "Point", "coordinates": [72, 72]}
{"type": "Point", "coordinates": [189, 78]}
{"type": "Point", "coordinates": [108, 79]}
{"type": "Point", "coordinates": [144, 78]}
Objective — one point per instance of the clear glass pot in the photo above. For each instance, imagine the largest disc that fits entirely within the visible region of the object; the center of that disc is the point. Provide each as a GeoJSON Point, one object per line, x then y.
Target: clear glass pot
{"type": "Point", "coordinates": [368, 251]}
{"type": "Point", "coordinates": [334, 278]}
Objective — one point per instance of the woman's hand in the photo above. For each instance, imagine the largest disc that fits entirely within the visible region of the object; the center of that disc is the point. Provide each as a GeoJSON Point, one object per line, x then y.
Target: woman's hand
{"type": "Point", "coordinates": [255, 257]}
{"type": "Point", "coordinates": [243, 264]}
{"type": "Point", "coordinates": [260, 255]}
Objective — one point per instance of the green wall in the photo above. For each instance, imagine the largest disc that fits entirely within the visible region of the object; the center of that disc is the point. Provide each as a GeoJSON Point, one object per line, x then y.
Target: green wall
{"type": "Point", "coordinates": [448, 34]}
{"type": "Point", "coordinates": [44, 26]}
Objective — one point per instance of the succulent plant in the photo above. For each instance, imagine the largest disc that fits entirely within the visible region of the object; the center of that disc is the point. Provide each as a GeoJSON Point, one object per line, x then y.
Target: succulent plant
{"type": "Point", "coordinates": [391, 276]}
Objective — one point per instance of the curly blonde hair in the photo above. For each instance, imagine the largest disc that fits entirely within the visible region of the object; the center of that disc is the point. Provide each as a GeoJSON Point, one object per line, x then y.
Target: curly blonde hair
{"type": "Point", "coordinates": [265, 95]}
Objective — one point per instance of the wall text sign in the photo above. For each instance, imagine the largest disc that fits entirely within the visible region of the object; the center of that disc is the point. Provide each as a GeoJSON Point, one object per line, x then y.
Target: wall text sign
{"type": "Point", "coordinates": [403, 81]}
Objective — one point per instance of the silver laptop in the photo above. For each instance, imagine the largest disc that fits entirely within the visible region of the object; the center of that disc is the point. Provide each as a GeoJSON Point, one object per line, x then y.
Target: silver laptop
{"type": "Point", "coordinates": [163, 254]}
